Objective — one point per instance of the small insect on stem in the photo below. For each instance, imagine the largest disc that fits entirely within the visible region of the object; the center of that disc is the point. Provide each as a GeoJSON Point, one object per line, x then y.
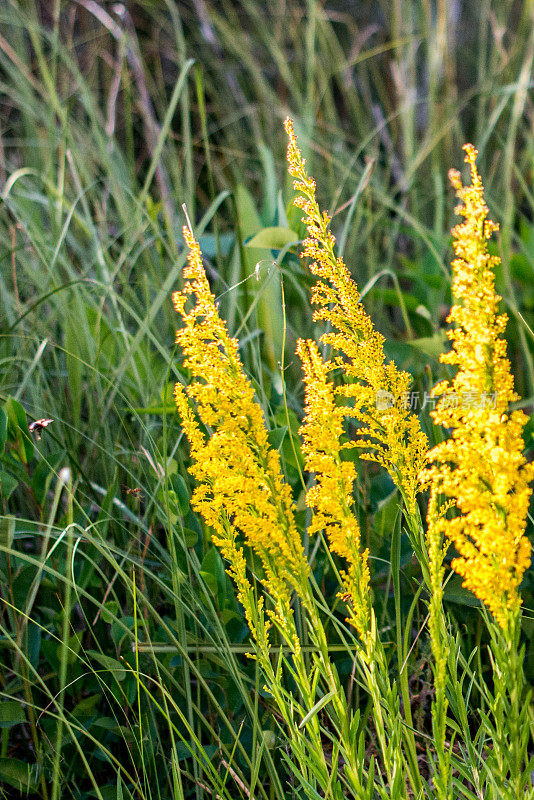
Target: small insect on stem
{"type": "Point", "coordinates": [38, 427]}
{"type": "Point", "coordinates": [135, 491]}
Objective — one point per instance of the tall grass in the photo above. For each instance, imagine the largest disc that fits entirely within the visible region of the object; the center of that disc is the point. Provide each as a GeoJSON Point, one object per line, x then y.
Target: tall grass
{"type": "Point", "coordinates": [122, 644]}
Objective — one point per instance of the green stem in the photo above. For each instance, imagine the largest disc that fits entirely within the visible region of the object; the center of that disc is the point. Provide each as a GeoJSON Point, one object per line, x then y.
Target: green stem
{"type": "Point", "coordinates": [440, 651]}
{"type": "Point", "coordinates": [63, 662]}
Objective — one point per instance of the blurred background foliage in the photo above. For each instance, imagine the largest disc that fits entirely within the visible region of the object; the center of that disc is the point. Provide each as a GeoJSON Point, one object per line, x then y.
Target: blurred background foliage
{"type": "Point", "coordinates": [122, 645]}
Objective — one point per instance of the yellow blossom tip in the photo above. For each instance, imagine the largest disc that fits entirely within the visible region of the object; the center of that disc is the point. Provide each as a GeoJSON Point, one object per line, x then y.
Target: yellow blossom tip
{"type": "Point", "coordinates": [481, 469]}
{"type": "Point", "coordinates": [471, 153]}
{"type": "Point", "coordinates": [288, 126]}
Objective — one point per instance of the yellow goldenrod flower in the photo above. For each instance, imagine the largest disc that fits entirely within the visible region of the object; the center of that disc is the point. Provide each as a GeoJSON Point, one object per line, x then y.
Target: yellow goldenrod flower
{"type": "Point", "coordinates": [481, 467]}
{"type": "Point", "coordinates": [331, 497]}
{"type": "Point", "coordinates": [240, 489]}
{"type": "Point", "coordinates": [375, 393]}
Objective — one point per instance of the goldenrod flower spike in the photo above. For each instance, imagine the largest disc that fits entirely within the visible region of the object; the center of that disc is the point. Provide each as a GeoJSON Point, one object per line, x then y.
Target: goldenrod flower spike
{"type": "Point", "coordinates": [240, 491]}
{"type": "Point", "coordinates": [481, 467]}
{"type": "Point", "coordinates": [378, 391]}
{"type": "Point", "coordinates": [331, 497]}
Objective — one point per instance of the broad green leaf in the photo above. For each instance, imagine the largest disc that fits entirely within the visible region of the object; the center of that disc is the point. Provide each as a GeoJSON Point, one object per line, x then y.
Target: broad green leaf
{"type": "Point", "coordinates": [22, 583]}
{"type": "Point", "coordinates": [111, 664]}
{"type": "Point", "coordinates": [110, 610]}
{"type": "Point", "coordinates": [192, 526]}
{"type": "Point", "coordinates": [180, 491]}
{"type": "Point", "coordinates": [269, 739]}
{"type": "Point", "coordinates": [8, 484]}
{"type": "Point", "coordinates": [386, 514]}
{"type": "Point", "coordinates": [249, 219]}
{"type": "Point", "coordinates": [11, 713]}
{"type": "Point", "coordinates": [18, 430]}
{"type": "Point", "coordinates": [454, 592]}
{"type": "Point", "coordinates": [190, 537]}
{"type": "Point", "coordinates": [432, 346]}
{"type": "Point", "coordinates": [167, 393]}
{"type": "Point", "coordinates": [276, 436]}
{"type": "Point", "coordinates": [33, 643]}
{"type": "Point", "coordinates": [269, 182]}
{"type": "Point", "coordinates": [213, 574]}
{"type": "Point", "coordinates": [273, 238]}
{"type": "Point", "coordinates": [87, 707]}
{"type": "Point", "coordinates": [391, 297]}
{"type": "Point", "coordinates": [172, 506]}
{"type": "Point", "coordinates": [18, 774]}
{"type": "Point", "coordinates": [74, 644]}
{"type": "Point", "coordinates": [263, 289]}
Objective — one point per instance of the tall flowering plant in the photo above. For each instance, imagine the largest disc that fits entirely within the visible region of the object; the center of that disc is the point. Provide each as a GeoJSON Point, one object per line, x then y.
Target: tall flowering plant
{"type": "Point", "coordinates": [478, 481]}
{"type": "Point", "coordinates": [242, 496]}
{"type": "Point", "coordinates": [481, 467]}
{"type": "Point", "coordinates": [374, 391]}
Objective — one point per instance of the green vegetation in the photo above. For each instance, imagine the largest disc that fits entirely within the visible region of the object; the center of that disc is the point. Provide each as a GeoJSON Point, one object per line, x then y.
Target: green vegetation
{"type": "Point", "coordinates": [122, 645]}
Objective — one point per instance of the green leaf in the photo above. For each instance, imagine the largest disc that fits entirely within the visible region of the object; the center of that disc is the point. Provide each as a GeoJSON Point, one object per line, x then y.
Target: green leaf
{"type": "Point", "coordinates": [109, 611]}
{"type": "Point", "coordinates": [317, 707]}
{"type": "Point", "coordinates": [290, 445]}
{"type": "Point", "coordinates": [173, 512]}
{"type": "Point", "coordinates": [18, 774]}
{"type": "Point", "coordinates": [192, 526]}
{"type": "Point", "coordinates": [73, 647]}
{"type": "Point", "coordinates": [454, 592]}
{"type": "Point", "coordinates": [190, 537]}
{"type": "Point", "coordinates": [8, 484]}
{"type": "Point", "coordinates": [33, 643]}
{"type": "Point", "coordinates": [432, 346]}
{"type": "Point", "coordinates": [276, 437]}
{"type": "Point", "coordinates": [391, 297]}
{"type": "Point", "coordinates": [249, 219]}
{"type": "Point", "coordinates": [269, 182]}
{"type": "Point", "coordinates": [18, 430]}
{"type": "Point", "coordinates": [22, 584]}
{"type": "Point", "coordinates": [11, 713]}
{"type": "Point", "coordinates": [121, 629]}
{"type": "Point", "coordinates": [228, 615]}
{"type": "Point", "coordinates": [181, 494]}
{"type": "Point", "coordinates": [111, 664]}
{"type": "Point", "coordinates": [273, 238]}
{"type": "Point", "coordinates": [269, 739]}
{"type": "Point", "coordinates": [386, 514]}
{"type": "Point", "coordinates": [213, 574]}
{"type": "Point", "coordinates": [3, 430]}
{"type": "Point", "coordinates": [87, 708]}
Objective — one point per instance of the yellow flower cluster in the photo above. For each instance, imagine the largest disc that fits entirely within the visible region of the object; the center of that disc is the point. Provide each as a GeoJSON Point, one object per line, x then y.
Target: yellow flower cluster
{"type": "Point", "coordinates": [240, 491]}
{"type": "Point", "coordinates": [331, 497]}
{"type": "Point", "coordinates": [374, 391]}
{"type": "Point", "coordinates": [481, 467]}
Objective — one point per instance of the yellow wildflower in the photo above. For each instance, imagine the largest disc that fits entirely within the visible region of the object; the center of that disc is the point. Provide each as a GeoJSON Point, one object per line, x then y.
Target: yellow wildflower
{"type": "Point", "coordinates": [375, 393]}
{"type": "Point", "coordinates": [481, 467]}
{"type": "Point", "coordinates": [240, 489]}
{"type": "Point", "coordinates": [331, 497]}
